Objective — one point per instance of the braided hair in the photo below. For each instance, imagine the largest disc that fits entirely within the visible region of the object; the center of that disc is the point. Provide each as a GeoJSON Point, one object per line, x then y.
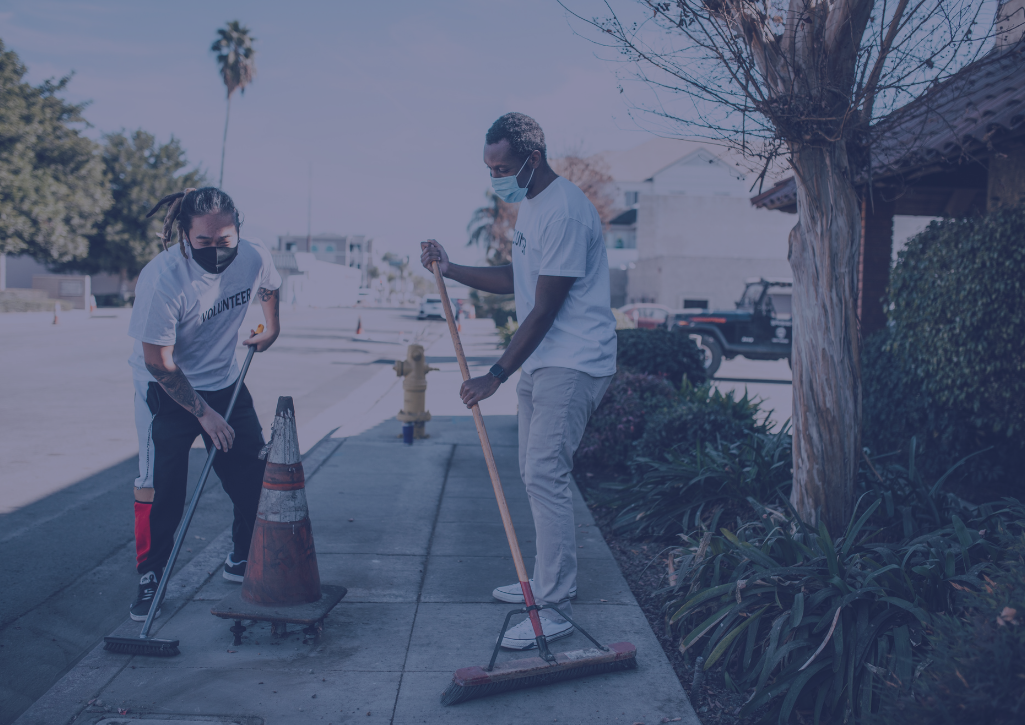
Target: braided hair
{"type": "Point", "coordinates": [186, 205]}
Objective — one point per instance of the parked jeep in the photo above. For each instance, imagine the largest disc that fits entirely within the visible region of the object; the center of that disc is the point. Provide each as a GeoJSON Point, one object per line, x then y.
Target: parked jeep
{"type": "Point", "coordinates": [759, 329]}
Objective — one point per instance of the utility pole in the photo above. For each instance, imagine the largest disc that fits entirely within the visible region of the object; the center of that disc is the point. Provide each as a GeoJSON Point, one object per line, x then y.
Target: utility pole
{"type": "Point", "coordinates": [309, 212]}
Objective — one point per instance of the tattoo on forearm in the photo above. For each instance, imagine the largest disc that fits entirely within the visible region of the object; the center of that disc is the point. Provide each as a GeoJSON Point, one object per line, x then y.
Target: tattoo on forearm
{"type": "Point", "coordinates": [180, 389]}
{"type": "Point", "coordinates": [266, 295]}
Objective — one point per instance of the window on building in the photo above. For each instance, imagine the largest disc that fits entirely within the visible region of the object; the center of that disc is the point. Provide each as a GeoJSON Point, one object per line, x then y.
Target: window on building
{"type": "Point", "coordinates": [291, 246]}
{"type": "Point", "coordinates": [695, 304]}
{"type": "Point", "coordinates": [329, 248]}
{"type": "Point", "coordinates": [314, 248]}
{"type": "Point", "coordinates": [621, 240]}
{"type": "Point", "coordinates": [631, 198]}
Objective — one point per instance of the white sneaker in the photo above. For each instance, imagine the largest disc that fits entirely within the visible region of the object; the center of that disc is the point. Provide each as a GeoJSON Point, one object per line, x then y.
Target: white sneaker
{"type": "Point", "coordinates": [522, 635]}
{"type": "Point", "coordinates": [513, 593]}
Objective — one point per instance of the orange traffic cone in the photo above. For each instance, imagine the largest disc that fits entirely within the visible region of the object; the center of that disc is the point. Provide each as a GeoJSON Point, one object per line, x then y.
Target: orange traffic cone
{"type": "Point", "coordinates": [359, 325]}
{"type": "Point", "coordinates": [282, 567]}
{"type": "Point", "coordinates": [282, 582]}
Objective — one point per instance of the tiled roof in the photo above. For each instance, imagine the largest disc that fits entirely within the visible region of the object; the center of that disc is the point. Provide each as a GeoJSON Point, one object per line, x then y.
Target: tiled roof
{"type": "Point", "coordinates": [958, 119]}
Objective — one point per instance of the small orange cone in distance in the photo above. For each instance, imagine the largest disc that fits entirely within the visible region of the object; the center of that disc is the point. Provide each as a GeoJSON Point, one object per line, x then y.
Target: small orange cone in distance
{"type": "Point", "coordinates": [282, 567]}
{"type": "Point", "coordinates": [359, 325]}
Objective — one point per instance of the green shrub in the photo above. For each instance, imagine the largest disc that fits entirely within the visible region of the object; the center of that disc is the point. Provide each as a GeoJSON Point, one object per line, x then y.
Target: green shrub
{"type": "Point", "coordinates": [620, 419]}
{"type": "Point", "coordinates": [506, 332]}
{"type": "Point", "coordinates": [703, 415]}
{"type": "Point", "coordinates": [672, 495]}
{"type": "Point", "coordinates": [972, 669]}
{"type": "Point", "coordinates": [950, 369]}
{"type": "Point", "coordinates": [660, 352]}
{"type": "Point", "coordinates": [500, 308]}
{"type": "Point", "coordinates": [798, 620]}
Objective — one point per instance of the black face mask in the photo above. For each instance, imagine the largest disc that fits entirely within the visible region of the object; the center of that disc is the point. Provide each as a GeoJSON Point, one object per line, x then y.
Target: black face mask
{"type": "Point", "coordinates": [214, 259]}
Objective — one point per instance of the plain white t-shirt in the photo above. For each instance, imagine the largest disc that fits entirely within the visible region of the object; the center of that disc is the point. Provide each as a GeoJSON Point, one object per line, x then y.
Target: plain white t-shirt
{"type": "Point", "coordinates": [558, 234]}
{"type": "Point", "coordinates": [178, 303]}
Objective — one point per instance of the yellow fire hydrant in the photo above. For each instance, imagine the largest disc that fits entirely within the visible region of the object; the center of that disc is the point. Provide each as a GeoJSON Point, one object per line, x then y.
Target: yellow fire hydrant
{"type": "Point", "coordinates": [414, 368]}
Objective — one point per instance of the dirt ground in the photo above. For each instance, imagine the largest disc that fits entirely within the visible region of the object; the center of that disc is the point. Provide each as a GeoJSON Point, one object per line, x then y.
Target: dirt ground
{"type": "Point", "coordinates": [644, 565]}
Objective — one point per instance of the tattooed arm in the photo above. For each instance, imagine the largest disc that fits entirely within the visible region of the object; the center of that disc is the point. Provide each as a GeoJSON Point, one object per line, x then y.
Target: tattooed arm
{"type": "Point", "coordinates": [270, 302]}
{"type": "Point", "coordinates": [160, 363]}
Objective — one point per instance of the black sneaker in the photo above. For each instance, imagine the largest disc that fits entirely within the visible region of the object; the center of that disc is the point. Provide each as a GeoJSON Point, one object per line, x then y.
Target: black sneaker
{"type": "Point", "coordinates": [147, 590]}
{"type": "Point", "coordinates": [234, 571]}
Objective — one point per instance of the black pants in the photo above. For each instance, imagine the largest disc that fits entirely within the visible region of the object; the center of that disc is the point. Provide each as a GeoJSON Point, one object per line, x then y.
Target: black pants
{"type": "Point", "coordinates": [240, 471]}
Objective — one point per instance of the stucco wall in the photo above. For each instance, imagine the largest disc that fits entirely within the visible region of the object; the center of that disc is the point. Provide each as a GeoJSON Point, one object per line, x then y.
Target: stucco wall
{"type": "Point", "coordinates": [720, 280]}
{"type": "Point", "coordinates": [698, 237]}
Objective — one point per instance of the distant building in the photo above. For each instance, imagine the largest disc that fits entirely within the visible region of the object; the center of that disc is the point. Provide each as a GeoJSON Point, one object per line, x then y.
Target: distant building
{"type": "Point", "coordinates": [688, 235]}
{"type": "Point", "coordinates": [353, 250]}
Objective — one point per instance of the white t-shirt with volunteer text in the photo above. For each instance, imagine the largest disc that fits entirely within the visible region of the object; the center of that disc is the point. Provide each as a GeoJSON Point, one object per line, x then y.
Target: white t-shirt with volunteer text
{"type": "Point", "coordinates": [178, 303]}
{"type": "Point", "coordinates": [558, 234]}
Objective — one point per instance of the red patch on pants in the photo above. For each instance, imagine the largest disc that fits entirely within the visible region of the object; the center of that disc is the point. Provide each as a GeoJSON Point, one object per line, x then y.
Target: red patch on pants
{"type": "Point", "coordinates": [142, 535]}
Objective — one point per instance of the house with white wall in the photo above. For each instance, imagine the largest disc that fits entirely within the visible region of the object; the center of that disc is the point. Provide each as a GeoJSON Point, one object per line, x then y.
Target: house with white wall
{"type": "Point", "coordinates": [688, 235]}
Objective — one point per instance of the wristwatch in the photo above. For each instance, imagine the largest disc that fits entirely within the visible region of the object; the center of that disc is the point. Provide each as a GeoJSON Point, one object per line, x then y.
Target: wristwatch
{"type": "Point", "coordinates": [499, 372]}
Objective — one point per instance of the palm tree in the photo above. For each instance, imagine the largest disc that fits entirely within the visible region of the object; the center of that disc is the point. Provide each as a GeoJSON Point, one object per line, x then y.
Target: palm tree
{"type": "Point", "coordinates": [492, 227]}
{"type": "Point", "coordinates": [236, 58]}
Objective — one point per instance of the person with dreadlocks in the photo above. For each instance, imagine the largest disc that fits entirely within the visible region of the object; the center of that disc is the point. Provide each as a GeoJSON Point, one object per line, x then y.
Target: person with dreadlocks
{"type": "Point", "coordinates": [189, 305]}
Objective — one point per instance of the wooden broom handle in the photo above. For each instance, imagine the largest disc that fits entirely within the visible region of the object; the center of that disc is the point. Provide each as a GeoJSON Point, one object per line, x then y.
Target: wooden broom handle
{"type": "Point", "coordinates": [496, 482]}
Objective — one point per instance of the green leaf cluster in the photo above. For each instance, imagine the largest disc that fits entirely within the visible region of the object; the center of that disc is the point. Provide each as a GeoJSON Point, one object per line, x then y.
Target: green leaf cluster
{"type": "Point", "coordinates": [52, 191]}
{"type": "Point", "coordinates": [675, 494]}
{"type": "Point", "coordinates": [973, 669]}
{"type": "Point", "coordinates": [798, 620]}
{"type": "Point", "coordinates": [660, 352]}
{"type": "Point", "coordinates": [607, 446]}
{"type": "Point", "coordinates": [139, 171]}
{"type": "Point", "coordinates": [702, 415]}
{"type": "Point", "coordinates": [950, 368]}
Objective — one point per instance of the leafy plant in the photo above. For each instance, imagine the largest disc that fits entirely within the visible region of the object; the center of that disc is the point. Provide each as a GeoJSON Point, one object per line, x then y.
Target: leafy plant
{"type": "Point", "coordinates": [139, 171]}
{"type": "Point", "coordinates": [620, 419]}
{"type": "Point", "coordinates": [506, 332]}
{"type": "Point", "coordinates": [500, 308]}
{"type": "Point", "coordinates": [950, 368]}
{"type": "Point", "coordinates": [973, 667]}
{"type": "Point", "coordinates": [660, 352]}
{"type": "Point", "coordinates": [798, 619]}
{"type": "Point", "coordinates": [52, 190]}
{"type": "Point", "coordinates": [674, 494]}
{"type": "Point", "coordinates": [704, 414]}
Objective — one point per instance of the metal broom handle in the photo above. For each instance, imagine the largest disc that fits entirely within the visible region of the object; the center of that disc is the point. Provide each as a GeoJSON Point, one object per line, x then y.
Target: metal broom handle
{"type": "Point", "coordinates": [180, 539]}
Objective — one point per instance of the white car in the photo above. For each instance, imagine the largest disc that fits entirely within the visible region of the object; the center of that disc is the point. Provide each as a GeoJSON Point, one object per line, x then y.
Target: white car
{"type": "Point", "coordinates": [430, 306]}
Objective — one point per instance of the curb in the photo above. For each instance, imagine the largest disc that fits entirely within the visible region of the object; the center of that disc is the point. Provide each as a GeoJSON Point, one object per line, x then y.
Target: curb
{"type": "Point", "coordinates": [69, 697]}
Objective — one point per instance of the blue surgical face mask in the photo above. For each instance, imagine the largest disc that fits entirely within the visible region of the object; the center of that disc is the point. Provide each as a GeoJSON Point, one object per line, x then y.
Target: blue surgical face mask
{"type": "Point", "coordinates": [509, 189]}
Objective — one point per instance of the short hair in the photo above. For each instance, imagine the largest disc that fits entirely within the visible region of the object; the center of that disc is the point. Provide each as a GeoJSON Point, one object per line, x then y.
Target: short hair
{"type": "Point", "coordinates": [523, 133]}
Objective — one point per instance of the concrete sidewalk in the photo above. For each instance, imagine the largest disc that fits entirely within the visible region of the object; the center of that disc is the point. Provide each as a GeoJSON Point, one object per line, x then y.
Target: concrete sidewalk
{"type": "Point", "coordinates": [414, 534]}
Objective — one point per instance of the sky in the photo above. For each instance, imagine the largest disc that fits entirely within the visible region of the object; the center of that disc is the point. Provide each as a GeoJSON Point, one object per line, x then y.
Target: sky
{"type": "Point", "coordinates": [389, 101]}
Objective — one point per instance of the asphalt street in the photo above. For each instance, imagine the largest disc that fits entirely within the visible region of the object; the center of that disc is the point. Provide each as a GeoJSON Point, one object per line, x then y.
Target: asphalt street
{"type": "Point", "coordinates": [68, 447]}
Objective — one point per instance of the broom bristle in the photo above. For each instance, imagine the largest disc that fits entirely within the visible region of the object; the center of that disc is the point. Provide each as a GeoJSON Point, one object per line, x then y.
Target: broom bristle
{"type": "Point", "coordinates": [456, 693]}
{"type": "Point", "coordinates": [138, 646]}
{"type": "Point", "coordinates": [470, 683]}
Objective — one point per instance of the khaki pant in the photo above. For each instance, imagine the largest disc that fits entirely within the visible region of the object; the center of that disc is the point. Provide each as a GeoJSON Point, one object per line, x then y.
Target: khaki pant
{"type": "Point", "coordinates": [554, 407]}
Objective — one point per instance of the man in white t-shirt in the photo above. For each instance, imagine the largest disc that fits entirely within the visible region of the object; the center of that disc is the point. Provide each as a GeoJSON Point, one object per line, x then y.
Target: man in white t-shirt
{"type": "Point", "coordinates": [565, 344]}
{"type": "Point", "coordinates": [190, 301]}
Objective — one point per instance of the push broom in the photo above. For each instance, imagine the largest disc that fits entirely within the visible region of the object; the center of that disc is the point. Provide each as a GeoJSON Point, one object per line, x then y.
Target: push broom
{"type": "Point", "coordinates": [470, 683]}
{"type": "Point", "coordinates": [144, 644]}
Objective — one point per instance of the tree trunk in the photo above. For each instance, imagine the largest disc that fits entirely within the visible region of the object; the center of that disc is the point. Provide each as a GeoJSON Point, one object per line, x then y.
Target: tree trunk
{"type": "Point", "coordinates": [826, 361]}
{"type": "Point", "coordinates": [224, 143]}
